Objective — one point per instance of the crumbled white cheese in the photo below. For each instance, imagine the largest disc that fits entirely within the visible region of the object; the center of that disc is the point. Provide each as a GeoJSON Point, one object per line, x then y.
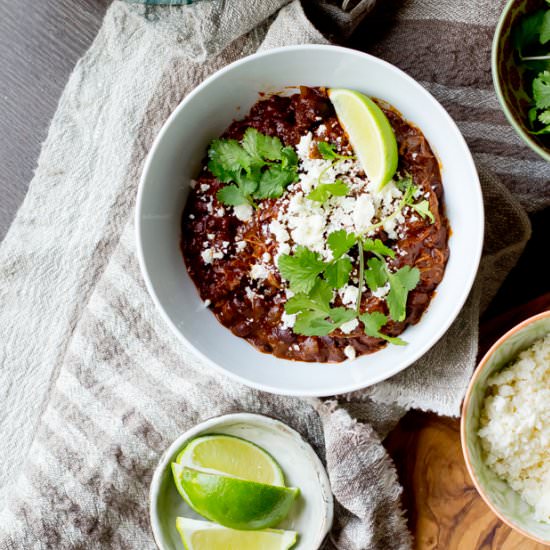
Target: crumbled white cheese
{"type": "Point", "coordinates": [310, 222]}
{"type": "Point", "coordinates": [309, 232]}
{"type": "Point", "coordinates": [349, 352]}
{"type": "Point", "coordinates": [364, 212]}
{"type": "Point", "coordinates": [350, 326]}
{"type": "Point", "coordinates": [266, 256]}
{"type": "Point", "coordinates": [280, 233]}
{"type": "Point", "coordinates": [515, 426]}
{"type": "Point", "coordinates": [207, 255]}
{"type": "Point", "coordinates": [207, 303]}
{"type": "Point", "coordinates": [259, 271]}
{"type": "Point", "coordinates": [243, 212]}
{"type": "Point", "coordinates": [250, 294]}
{"type": "Point", "coordinates": [210, 236]}
{"type": "Point", "coordinates": [204, 187]}
{"type": "Point", "coordinates": [304, 146]}
{"type": "Point", "coordinates": [288, 320]}
{"type": "Point", "coordinates": [381, 291]}
{"type": "Point", "coordinates": [240, 245]}
{"type": "Point", "coordinates": [191, 216]}
{"type": "Point", "coordinates": [220, 212]}
{"type": "Point", "coordinates": [217, 255]}
{"type": "Point", "coordinates": [349, 294]}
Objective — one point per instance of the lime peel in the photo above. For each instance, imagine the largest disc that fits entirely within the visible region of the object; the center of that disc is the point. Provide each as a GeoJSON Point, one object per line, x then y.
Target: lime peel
{"type": "Point", "coordinates": [231, 456]}
{"type": "Point", "coordinates": [370, 134]}
{"type": "Point", "coordinates": [233, 502]}
{"type": "Point", "coordinates": [202, 535]}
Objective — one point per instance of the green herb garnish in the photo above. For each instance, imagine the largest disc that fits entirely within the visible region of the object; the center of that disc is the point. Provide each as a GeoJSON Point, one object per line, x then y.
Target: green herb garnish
{"type": "Point", "coordinates": [258, 167]}
{"type": "Point", "coordinates": [373, 322]}
{"type": "Point", "coordinates": [323, 191]}
{"type": "Point", "coordinates": [531, 37]}
{"type": "Point", "coordinates": [315, 281]}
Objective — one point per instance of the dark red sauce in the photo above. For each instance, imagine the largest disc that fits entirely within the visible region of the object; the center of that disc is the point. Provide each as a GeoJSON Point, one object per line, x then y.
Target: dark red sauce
{"type": "Point", "coordinates": [224, 281]}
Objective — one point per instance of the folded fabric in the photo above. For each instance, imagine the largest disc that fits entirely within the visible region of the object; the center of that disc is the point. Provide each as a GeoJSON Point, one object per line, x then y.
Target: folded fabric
{"type": "Point", "coordinates": [94, 385]}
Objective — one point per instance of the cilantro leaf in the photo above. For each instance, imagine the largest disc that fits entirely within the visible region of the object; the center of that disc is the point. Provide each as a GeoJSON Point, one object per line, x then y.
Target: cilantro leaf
{"type": "Point", "coordinates": [377, 247]}
{"type": "Point", "coordinates": [289, 158]}
{"type": "Point", "coordinates": [246, 184]}
{"type": "Point", "coordinates": [376, 275]}
{"type": "Point", "coordinates": [401, 282]}
{"type": "Point", "coordinates": [423, 209]}
{"type": "Point", "coordinates": [260, 146]}
{"type": "Point", "coordinates": [301, 269]}
{"type": "Point", "coordinates": [314, 316]}
{"type": "Point", "coordinates": [526, 32]}
{"type": "Point", "coordinates": [231, 195]}
{"type": "Point", "coordinates": [340, 242]}
{"type": "Point", "coordinates": [373, 322]}
{"type": "Point", "coordinates": [220, 172]}
{"type": "Point", "coordinates": [323, 191]}
{"type": "Point", "coordinates": [337, 273]}
{"type": "Point", "coordinates": [253, 165]}
{"type": "Point", "coordinates": [544, 117]}
{"type": "Point", "coordinates": [541, 90]}
{"type": "Point", "coordinates": [404, 183]}
{"type": "Point", "coordinates": [312, 323]}
{"type": "Point", "coordinates": [317, 300]}
{"type": "Point", "coordinates": [545, 28]}
{"type": "Point", "coordinates": [341, 315]}
{"type": "Point", "coordinates": [327, 150]}
{"type": "Point", "coordinates": [273, 182]}
{"type": "Point", "coordinates": [228, 154]}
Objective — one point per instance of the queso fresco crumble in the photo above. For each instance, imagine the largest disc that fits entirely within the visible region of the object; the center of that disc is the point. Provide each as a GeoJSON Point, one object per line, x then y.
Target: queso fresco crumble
{"type": "Point", "coordinates": [294, 249]}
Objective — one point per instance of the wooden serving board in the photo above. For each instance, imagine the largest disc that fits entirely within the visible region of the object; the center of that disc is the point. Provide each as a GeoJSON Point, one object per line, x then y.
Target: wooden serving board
{"type": "Point", "coordinates": [445, 512]}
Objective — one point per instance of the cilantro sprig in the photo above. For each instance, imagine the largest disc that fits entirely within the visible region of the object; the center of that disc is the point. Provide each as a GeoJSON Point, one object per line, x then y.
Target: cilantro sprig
{"type": "Point", "coordinates": [531, 38]}
{"type": "Point", "coordinates": [314, 281]}
{"type": "Point", "coordinates": [323, 191]}
{"type": "Point", "coordinates": [258, 167]}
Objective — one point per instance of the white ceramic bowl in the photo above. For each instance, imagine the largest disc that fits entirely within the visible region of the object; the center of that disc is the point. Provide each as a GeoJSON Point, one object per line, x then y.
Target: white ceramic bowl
{"type": "Point", "coordinates": [311, 515]}
{"type": "Point", "coordinates": [176, 156]}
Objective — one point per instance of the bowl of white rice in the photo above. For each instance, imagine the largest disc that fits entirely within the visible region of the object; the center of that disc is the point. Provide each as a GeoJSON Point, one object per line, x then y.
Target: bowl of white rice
{"type": "Point", "coordinates": [505, 428]}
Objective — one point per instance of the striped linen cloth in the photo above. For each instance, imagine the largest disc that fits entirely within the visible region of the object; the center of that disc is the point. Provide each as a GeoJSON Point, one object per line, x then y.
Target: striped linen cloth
{"type": "Point", "coordinates": [94, 386]}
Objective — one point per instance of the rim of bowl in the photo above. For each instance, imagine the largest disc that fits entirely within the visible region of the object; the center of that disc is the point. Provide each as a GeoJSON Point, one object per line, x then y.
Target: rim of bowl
{"type": "Point", "coordinates": [440, 329]}
{"type": "Point", "coordinates": [526, 137]}
{"type": "Point", "coordinates": [463, 421]}
{"type": "Point", "coordinates": [244, 417]}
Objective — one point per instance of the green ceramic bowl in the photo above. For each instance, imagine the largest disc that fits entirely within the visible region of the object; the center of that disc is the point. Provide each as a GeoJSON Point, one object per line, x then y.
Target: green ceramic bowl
{"type": "Point", "coordinates": [512, 88]}
{"type": "Point", "coordinates": [503, 500]}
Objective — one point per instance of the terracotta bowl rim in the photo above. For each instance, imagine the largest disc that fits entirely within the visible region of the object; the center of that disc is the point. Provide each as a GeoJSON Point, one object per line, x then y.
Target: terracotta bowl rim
{"type": "Point", "coordinates": [477, 372]}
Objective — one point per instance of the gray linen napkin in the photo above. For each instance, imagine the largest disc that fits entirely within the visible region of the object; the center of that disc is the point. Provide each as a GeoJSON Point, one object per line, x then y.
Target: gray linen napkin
{"type": "Point", "coordinates": [94, 385]}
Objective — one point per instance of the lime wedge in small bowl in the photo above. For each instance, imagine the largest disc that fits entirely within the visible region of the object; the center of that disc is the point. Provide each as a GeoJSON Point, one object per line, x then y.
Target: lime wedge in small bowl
{"type": "Point", "coordinates": [369, 132]}
{"type": "Point", "coordinates": [233, 456]}
{"type": "Point", "coordinates": [202, 535]}
{"type": "Point", "coordinates": [234, 502]}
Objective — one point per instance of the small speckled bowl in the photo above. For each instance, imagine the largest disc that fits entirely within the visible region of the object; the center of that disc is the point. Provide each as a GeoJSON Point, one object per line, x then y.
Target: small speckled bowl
{"type": "Point", "coordinates": [502, 500]}
{"type": "Point", "coordinates": [311, 515]}
{"type": "Point", "coordinates": [513, 90]}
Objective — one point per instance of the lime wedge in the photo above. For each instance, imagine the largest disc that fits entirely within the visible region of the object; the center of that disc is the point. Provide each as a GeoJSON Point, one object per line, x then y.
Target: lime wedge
{"type": "Point", "coordinates": [233, 502]}
{"type": "Point", "coordinates": [202, 535]}
{"type": "Point", "coordinates": [370, 134]}
{"type": "Point", "coordinates": [232, 456]}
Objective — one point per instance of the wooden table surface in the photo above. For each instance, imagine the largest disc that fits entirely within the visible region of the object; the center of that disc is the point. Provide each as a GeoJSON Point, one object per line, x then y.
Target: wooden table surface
{"type": "Point", "coordinates": [39, 45]}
